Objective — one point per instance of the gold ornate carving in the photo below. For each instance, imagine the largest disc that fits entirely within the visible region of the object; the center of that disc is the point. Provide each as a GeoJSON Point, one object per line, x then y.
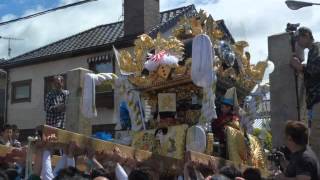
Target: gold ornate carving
{"type": "Point", "coordinates": [241, 152]}
{"type": "Point", "coordinates": [164, 71]}
{"type": "Point", "coordinates": [134, 63]}
{"type": "Point", "coordinates": [167, 102]}
{"type": "Point", "coordinates": [246, 76]}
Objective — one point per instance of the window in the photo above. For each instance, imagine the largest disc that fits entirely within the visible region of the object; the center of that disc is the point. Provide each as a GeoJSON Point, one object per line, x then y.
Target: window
{"type": "Point", "coordinates": [103, 68]}
{"type": "Point", "coordinates": [104, 92]}
{"type": "Point", "coordinates": [106, 67]}
{"type": "Point", "coordinates": [21, 91]}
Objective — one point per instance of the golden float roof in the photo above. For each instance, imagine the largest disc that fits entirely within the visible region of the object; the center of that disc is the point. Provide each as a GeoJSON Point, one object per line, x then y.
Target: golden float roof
{"type": "Point", "coordinates": [244, 75]}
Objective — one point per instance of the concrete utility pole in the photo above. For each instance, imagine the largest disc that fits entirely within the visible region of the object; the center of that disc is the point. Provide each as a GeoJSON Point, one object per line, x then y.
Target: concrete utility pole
{"type": "Point", "coordinates": [75, 121]}
{"type": "Point", "coordinates": [282, 87]}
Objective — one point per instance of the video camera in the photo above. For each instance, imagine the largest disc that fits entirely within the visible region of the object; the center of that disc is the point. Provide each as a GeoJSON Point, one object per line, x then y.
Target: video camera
{"type": "Point", "coordinates": [292, 30]}
{"type": "Point", "coordinates": [292, 27]}
{"type": "Point", "coordinates": [279, 154]}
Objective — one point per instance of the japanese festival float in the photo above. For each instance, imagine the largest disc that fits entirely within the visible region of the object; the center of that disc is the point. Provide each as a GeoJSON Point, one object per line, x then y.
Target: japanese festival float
{"type": "Point", "coordinates": [171, 91]}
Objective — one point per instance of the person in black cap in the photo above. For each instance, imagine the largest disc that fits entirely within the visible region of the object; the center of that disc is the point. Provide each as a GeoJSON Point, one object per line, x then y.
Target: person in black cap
{"type": "Point", "coordinates": [311, 73]}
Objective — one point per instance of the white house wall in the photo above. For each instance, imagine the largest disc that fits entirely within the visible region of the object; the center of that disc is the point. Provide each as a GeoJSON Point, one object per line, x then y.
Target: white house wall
{"type": "Point", "coordinates": [28, 115]}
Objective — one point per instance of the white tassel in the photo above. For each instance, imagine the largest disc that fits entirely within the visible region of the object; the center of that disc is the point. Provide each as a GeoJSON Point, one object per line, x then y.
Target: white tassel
{"type": "Point", "coordinates": [151, 65]}
{"type": "Point", "coordinates": [169, 60]}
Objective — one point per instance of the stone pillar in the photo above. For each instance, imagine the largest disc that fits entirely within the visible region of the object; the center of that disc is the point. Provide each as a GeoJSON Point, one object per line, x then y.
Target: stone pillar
{"type": "Point", "coordinates": [75, 121]}
{"type": "Point", "coordinates": [282, 87]}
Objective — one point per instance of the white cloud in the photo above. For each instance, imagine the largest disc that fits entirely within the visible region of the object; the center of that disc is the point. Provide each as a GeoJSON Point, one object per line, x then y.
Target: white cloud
{"type": "Point", "coordinates": [254, 21]}
{"type": "Point", "coordinates": [48, 28]}
{"type": "Point", "coordinates": [64, 2]}
{"type": "Point", "coordinates": [249, 20]}
{"type": "Point", "coordinates": [8, 17]}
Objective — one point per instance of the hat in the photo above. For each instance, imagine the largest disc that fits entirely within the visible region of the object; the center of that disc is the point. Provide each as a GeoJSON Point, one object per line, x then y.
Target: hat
{"type": "Point", "coordinates": [227, 101]}
{"type": "Point", "coordinates": [230, 98]}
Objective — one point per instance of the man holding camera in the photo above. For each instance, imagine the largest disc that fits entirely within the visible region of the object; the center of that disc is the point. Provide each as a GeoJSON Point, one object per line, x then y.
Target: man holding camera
{"type": "Point", "coordinates": [303, 164]}
{"type": "Point", "coordinates": [311, 72]}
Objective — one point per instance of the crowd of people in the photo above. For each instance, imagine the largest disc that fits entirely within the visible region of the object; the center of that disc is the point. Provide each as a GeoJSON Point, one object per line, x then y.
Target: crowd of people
{"type": "Point", "coordinates": [10, 135]}
{"type": "Point", "coordinates": [77, 162]}
{"type": "Point", "coordinates": [70, 167]}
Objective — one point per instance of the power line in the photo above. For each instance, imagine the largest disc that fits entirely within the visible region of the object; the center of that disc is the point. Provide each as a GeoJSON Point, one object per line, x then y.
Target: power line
{"type": "Point", "coordinates": [47, 11]}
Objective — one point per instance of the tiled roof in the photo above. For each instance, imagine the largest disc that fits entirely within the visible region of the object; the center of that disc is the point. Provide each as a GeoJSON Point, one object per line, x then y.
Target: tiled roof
{"type": "Point", "coordinates": [98, 39]}
{"type": "Point", "coordinates": [99, 36]}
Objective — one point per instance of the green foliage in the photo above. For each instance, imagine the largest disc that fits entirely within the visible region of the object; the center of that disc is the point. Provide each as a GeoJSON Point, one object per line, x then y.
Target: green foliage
{"type": "Point", "coordinates": [104, 87]}
{"type": "Point", "coordinates": [267, 141]}
{"type": "Point", "coordinates": [256, 132]}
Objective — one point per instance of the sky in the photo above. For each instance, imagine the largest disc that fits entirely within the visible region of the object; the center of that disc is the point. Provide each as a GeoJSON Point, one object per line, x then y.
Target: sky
{"type": "Point", "coordinates": [250, 20]}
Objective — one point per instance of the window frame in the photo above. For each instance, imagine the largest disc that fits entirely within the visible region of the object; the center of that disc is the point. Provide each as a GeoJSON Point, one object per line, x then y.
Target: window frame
{"type": "Point", "coordinates": [14, 86]}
